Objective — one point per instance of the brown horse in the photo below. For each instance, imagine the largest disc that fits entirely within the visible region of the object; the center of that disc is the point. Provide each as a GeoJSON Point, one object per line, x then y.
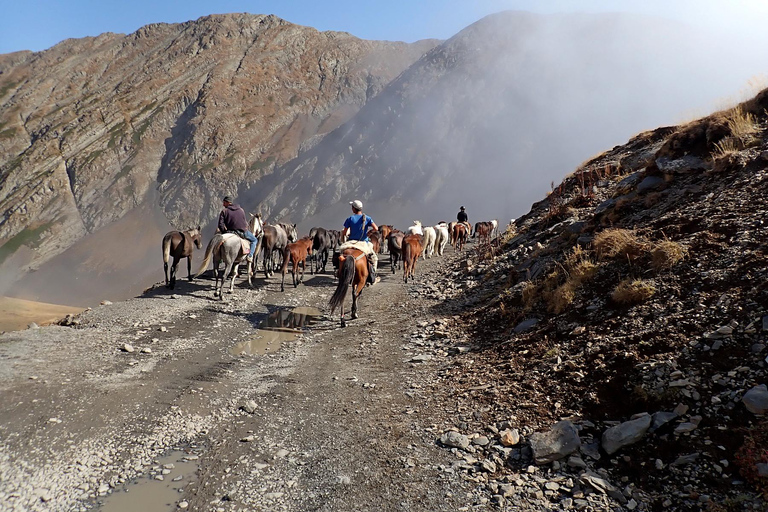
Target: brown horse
{"type": "Point", "coordinates": [411, 252]}
{"type": "Point", "coordinates": [395, 246]}
{"type": "Point", "coordinates": [296, 252]}
{"type": "Point", "coordinates": [385, 230]}
{"type": "Point", "coordinates": [483, 231]}
{"type": "Point", "coordinates": [459, 236]}
{"type": "Point", "coordinates": [375, 238]}
{"type": "Point", "coordinates": [180, 244]}
{"type": "Point", "coordinates": [353, 270]}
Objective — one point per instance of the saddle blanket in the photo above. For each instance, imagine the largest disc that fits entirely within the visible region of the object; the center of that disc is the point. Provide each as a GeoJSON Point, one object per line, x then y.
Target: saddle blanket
{"type": "Point", "coordinates": [245, 243]}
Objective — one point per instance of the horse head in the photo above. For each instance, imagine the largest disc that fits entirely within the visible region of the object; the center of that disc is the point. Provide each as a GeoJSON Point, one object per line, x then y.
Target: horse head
{"type": "Point", "coordinates": [257, 227]}
{"type": "Point", "coordinates": [197, 236]}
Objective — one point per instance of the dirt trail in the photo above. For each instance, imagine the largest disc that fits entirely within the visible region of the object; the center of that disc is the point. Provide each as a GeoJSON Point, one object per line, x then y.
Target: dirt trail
{"type": "Point", "coordinates": [344, 419]}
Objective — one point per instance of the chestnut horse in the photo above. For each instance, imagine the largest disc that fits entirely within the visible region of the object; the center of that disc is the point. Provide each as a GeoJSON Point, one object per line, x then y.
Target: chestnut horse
{"type": "Point", "coordinates": [483, 231]}
{"type": "Point", "coordinates": [411, 252]}
{"type": "Point", "coordinates": [353, 270]}
{"type": "Point", "coordinates": [180, 244]}
{"type": "Point", "coordinates": [459, 236]}
{"type": "Point", "coordinates": [385, 230]}
{"type": "Point", "coordinates": [296, 252]}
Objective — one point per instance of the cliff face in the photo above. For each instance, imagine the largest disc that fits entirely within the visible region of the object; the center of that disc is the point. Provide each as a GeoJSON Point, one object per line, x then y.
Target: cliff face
{"type": "Point", "coordinates": [513, 102]}
{"type": "Point", "coordinates": [196, 110]}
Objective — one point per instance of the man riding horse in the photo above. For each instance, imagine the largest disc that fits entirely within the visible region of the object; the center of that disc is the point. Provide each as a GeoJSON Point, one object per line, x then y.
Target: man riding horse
{"type": "Point", "coordinates": [356, 227]}
{"type": "Point", "coordinates": [464, 219]}
{"type": "Point", "coordinates": [232, 220]}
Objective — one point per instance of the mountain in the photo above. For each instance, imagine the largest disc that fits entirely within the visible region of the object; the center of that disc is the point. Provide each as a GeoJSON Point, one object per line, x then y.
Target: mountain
{"type": "Point", "coordinates": [511, 103]}
{"type": "Point", "coordinates": [295, 123]}
{"type": "Point", "coordinates": [633, 302]}
{"type": "Point", "coordinates": [93, 128]}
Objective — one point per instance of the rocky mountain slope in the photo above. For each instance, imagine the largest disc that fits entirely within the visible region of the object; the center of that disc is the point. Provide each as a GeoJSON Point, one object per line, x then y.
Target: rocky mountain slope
{"type": "Point", "coordinates": [91, 127]}
{"type": "Point", "coordinates": [490, 117]}
{"type": "Point", "coordinates": [631, 307]}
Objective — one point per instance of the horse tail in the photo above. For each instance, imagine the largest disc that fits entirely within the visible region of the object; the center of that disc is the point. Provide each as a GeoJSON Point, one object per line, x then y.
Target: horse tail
{"type": "Point", "coordinates": [346, 276]}
{"type": "Point", "coordinates": [166, 248]}
{"type": "Point", "coordinates": [215, 241]}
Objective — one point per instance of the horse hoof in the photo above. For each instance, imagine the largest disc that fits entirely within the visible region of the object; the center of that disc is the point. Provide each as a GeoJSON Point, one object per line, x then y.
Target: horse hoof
{"type": "Point", "coordinates": [343, 323]}
{"type": "Point", "coordinates": [354, 316]}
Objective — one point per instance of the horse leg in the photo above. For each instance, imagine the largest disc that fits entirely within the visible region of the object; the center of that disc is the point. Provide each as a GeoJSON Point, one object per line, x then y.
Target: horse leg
{"type": "Point", "coordinates": [189, 268]}
{"type": "Point", "coordinates": [173, 272]}
{"type": "Point", "coordinates": [165, 268]}
{"type": "Point", "coordinates": [343, 321]}
{"type": "Point", "coordinates": [235, 268]}
{"type": "Point", "coordinates": [356, 291]}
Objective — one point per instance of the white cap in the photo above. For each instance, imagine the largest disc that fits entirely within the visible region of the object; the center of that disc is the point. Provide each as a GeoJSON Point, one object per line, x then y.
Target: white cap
{"type": "Point", "coordinates": [357, 204]}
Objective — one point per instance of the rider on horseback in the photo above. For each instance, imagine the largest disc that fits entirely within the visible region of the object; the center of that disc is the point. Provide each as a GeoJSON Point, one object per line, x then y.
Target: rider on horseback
{"type": "Point", "coordinates": [356, 226]}
{"type": "Point", "coordinates": [232, 219]}
{"type": "Point", "coordinates": [464, 219]}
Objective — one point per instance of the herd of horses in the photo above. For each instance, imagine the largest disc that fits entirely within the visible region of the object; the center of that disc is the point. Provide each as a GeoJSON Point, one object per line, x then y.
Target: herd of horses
{"type": "Point", "coordinates": [280, 247]}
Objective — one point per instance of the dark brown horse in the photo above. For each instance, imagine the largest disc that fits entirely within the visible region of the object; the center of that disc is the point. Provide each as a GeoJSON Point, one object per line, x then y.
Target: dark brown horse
{"type": "Point", "coordinates": [180, 244]}
{"type": "Point", "coordinates": [353, 270]}
{"type": "Point", "coordinates": [296, 253]}
{"type": "Point", "coordinates": [459, 236]}
{"type": "Point", "coordinates": [395, 245]}
{"type": "Point", "coordinates": [375, 238]}
{"type": "Point", "coordinates": [483, 231]}
{"type": "Point", "coordinates": [411, 251]}
{"type": "Point", "coordinates": [276, 238]}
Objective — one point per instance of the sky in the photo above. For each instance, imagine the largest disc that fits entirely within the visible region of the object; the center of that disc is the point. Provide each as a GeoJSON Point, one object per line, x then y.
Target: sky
{"type": "Point", "coordinates": [39, 24]}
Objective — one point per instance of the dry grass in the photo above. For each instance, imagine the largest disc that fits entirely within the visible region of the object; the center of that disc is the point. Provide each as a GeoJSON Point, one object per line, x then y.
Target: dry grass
{"type": "Point", "coordinates": [577, 269]}
{"type": "Point", "coordinates": [666, 254]}
{"type": "Point", "coordinates": [743, 128]}
{"type": "Point", "coordinates": [618, 243]}
{"type": "Point", "coordinates": [629, 291]}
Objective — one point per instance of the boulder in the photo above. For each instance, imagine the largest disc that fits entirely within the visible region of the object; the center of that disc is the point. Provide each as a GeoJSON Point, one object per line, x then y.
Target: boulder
{"type": "Point", "coordinates": [756, 399]}
{"type": "Point", "coordinates": [625, 434]}
{"type": "Point", "coordinates": [455, 440]}
{"type": "Point", "coordinates": [559, 442]}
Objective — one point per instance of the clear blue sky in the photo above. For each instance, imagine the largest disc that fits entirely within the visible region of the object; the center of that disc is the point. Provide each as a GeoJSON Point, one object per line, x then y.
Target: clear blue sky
{"type": "Point", "coordinates": [39, 24]}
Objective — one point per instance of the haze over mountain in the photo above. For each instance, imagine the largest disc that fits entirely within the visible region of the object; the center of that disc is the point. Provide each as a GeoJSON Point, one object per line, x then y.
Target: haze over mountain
{"type": "Point", "coordinates": [165, 121]}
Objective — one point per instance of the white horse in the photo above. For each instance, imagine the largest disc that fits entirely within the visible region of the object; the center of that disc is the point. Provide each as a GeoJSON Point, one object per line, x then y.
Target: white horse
{"type": "Point", "coordinates": [429, 242]}
{"type": "Point", "coordinates": [441, 237]}
{"type": "Point", "coordinates": [416, 228]}
{"type": "Point", "coordinates": [227, 248]}
{"type": "Point", "coordinates": [495, 229]}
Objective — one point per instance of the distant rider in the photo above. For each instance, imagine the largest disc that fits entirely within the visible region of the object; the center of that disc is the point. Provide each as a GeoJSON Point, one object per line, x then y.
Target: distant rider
{"type": "Point", "coordinates": [232, 220]}
{"type": "Point", "coordinates": [464, 219]}
{"type": "Point", "coordinates": [357, 226]}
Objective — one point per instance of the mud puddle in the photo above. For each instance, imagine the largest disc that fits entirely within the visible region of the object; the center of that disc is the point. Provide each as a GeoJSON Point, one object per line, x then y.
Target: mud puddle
{"type": "Point", "coordinates": [280, 326]}
{"type": "Point", "coordinates": [149, 493]}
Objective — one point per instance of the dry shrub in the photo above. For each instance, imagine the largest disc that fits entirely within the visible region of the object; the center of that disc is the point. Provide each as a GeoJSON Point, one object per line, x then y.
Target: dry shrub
{"type": "Point", "coordinates": [754, 451]}
{"type": "Point", "coordinates": [618, 243]}
{"type": "Point", "coordinates": [577, 270]}
{"type": "Point", "coordinates": [743, 128]}
{"type": "Point", "coordinates": [529, 295]}
{"type": "Point", "coordinates": [629, 291]}
{"type": "Point", "coordinates": [666, 254]}
{"type": "Point", "coordinates": [652, 199]}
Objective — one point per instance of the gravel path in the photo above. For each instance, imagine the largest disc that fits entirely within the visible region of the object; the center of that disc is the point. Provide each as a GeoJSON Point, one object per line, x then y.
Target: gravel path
{"type": "Point", "coordinates": [337, 419]}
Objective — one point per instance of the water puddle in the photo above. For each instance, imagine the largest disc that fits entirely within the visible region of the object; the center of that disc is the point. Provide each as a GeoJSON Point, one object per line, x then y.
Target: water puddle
{"type": "Point", "coordinates": [282, 325]}
{"type": "Point", "coordinates": [149, 493]}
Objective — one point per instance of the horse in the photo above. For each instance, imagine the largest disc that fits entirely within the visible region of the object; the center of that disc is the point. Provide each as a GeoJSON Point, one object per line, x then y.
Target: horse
{"type": "Point", "coordinates": [416, 228]}
{"type": "Point", "coordinates": [459, 236]}
{"type": "Point", "coordinates": [441, 237]}
{"type": "Point", "coordinates": [395, 246]}
{"type": "Point", "coordinates": [375, 237]}
{"type": "Point", "coordinates": [353, 270]}
{"type": "Point", "coordinates": [257, 228]}
{"type": "Point", "coordinates": [429, 242]}
{"type": "Point", "coordinates": [180, 244]}
{"type": "Point", "coordinates": [412, 245]}
{"type": "Point", "coordinates": [450, 232]}
{"type": "Point", "coordinates": [483, 231]}
{"type": "Point", "coordinates": [227, 248]}
{"type": "Point", "coordinates": [296, 253]}
{"type": "Point", "coordinates": [322, 245]}
{"type": "Point", "coordinates": [385, 230]}
{"type": "Point", "coordinates": [276, 238]}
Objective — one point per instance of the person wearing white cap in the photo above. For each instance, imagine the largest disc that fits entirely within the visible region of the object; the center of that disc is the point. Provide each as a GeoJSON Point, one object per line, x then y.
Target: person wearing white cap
{"type": "Point", "coordinates": [356, 227]}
